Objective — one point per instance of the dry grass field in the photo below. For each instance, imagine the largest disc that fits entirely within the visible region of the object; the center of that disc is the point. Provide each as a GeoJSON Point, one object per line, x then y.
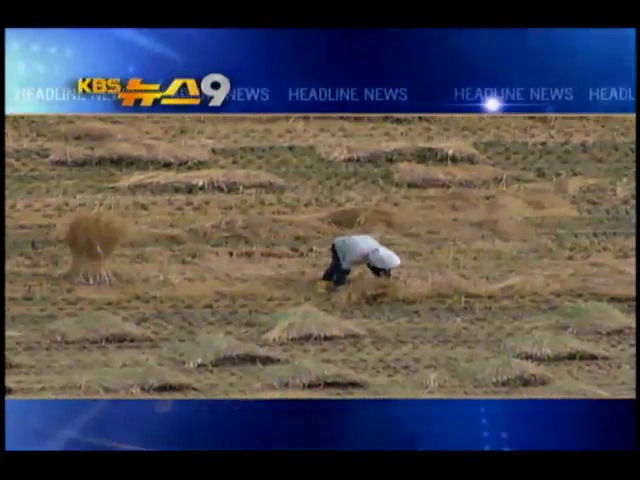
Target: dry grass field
{"type": "Point", "coordinates": [517, 237]}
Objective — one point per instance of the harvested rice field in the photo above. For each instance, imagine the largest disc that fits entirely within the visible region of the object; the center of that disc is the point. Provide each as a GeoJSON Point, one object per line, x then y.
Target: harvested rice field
{"type": "Point", "coordinates": [517, 236]}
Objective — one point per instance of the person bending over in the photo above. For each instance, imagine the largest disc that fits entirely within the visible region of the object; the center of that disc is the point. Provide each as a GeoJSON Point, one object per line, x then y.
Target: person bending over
{"type": "Point", "coordinates": [349, 251]}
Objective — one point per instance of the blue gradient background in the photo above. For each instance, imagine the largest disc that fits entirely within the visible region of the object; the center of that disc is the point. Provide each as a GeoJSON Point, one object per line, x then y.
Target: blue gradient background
{"type": "Point", "coordinates": [430, 63]}
{"type": "Point", "coordinates": [490, 425]}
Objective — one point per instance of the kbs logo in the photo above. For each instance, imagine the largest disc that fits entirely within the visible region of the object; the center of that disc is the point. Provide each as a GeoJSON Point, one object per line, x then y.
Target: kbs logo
{"type": "Point", "coordinates": [215, 86]}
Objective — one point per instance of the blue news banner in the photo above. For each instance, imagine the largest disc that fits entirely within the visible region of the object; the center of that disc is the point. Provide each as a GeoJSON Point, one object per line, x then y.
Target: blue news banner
{"type": "Point", "coordinates": [333, 71]}
{"type": "Point", "coordinates": [485, 425]}
{"type": "Point", "coordinates": [327, 71]}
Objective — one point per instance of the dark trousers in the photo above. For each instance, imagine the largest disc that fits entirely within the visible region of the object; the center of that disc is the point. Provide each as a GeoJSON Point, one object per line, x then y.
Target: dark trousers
{"type": "Point", "coordinates": [335, 273]}
{"type": "Point", "coordinates": [338, 275]}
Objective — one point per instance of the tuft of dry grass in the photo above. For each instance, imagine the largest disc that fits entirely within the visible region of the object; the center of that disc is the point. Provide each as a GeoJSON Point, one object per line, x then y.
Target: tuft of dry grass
{"type": "Point", "coordinates": [309, 323]}
{"type": "Point", "coordinates": [392, 152]}
{"type": "Point", "coordinates": [510, 372]}
{"type": "Point", "coordinates": [455, 151]}
{"type": "Point", "coordinates": [215, 350]}
{"type": "Point", "coordinates": [550, 347]}
{"type": "Point", "coordinates": [588, 318]}
{"type": "Point", "coordinates": [218, 180]}
{"type": "Point", "coordinates": [432, 380]}
{"type": "Point", "coordinates": [312, 375]}
{"type": "Point", "coordinates": [92, 238]}
{"type": "Point", "coordinates": [142, 155]}
{"type": "Point", "coordinates": [343, 152]}
{"type": "Point", "coordinates": [97, 328]}
{"type": "Point", "coordinates": [149, 379]}
{"type": "Point", "coordinates": [415, 175]}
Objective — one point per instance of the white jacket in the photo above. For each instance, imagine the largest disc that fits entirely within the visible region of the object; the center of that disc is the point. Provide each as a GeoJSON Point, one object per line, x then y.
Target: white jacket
{"type": "Point", "coordinates": [357, 249]}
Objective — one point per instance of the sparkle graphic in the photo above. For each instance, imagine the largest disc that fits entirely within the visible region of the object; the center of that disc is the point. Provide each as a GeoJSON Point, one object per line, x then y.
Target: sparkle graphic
{"type": "Point", "coordinates": [492, 104]}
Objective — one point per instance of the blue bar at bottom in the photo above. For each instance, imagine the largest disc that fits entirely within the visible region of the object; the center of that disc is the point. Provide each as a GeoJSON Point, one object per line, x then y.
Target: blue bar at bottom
{"type": "Point", "coordinates": [320, 424]}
